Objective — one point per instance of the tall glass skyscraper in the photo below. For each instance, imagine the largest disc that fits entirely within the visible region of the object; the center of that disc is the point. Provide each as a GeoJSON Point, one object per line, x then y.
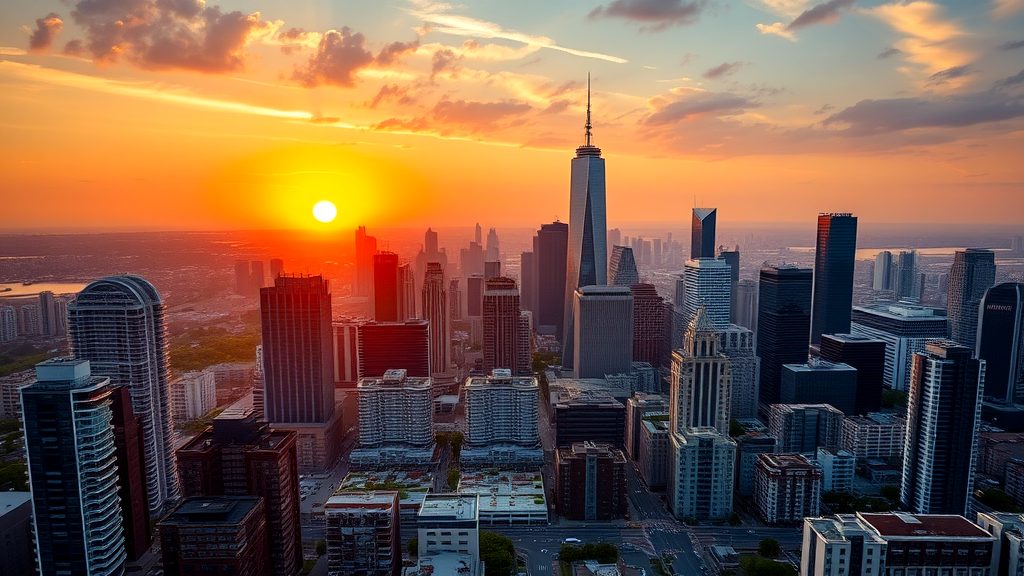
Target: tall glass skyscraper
{"type": "Point", "coordinates": [551, 246]}
{"type": "Point", "coordinates": [117, 324]}
{"type": "Point", "coordinates": [702, 233]}
{"type": "Point", "coordinates": [783, 323]}
{"type": "Point", "coordinates": [385, 287]}
{"type": "Point", "coordinates": [1001, 341]}
{"type": "Point", "coordinates": [834, 256]}
{"type": "Point", "coordinates": [72, 465]}
{"type": "Point", "coordinates": [587, 263]}
{"type": "Point", "coordinates": [973, 272]}
{"type": "Point", "coordinates": [435, 311]}
{"type": "Point", "coordinates": [622, 268]}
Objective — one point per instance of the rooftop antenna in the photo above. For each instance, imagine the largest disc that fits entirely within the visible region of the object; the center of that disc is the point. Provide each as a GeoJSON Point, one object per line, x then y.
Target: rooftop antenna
{"type": "Point", "coordinates": [588, 109]}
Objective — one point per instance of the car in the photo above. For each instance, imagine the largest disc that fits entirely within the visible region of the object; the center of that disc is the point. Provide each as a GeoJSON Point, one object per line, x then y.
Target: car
{"type": "Point", "coordinates": [572, 541]}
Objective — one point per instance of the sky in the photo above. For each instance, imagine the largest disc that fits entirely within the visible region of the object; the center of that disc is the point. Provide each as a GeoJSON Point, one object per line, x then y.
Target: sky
{"type": "Point", "coordinates": [241, 114]}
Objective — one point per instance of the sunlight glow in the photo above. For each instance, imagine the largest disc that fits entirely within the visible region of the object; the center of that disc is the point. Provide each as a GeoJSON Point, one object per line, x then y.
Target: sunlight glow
{"type": "Point", "coordinates": [325, 211]}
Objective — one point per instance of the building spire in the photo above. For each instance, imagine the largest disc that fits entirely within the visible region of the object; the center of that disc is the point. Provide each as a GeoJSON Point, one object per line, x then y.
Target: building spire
{"type": "Point", "coordinates": [588, 126]}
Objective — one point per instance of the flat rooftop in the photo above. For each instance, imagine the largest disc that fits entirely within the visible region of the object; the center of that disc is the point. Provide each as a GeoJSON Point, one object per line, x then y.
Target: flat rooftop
{"type": "Point", "coordinates": [382, 500]}
{"type": "Point", "coordinates": [506, 491]}
{"type": "Point", "coordinates": [212, 510]}
{"type": "Point", "coordinates": [452, 506]}
{"type": "Point", "coordinates": [902, 525]}
{"type": "Point", "coordinates": [11, 500]}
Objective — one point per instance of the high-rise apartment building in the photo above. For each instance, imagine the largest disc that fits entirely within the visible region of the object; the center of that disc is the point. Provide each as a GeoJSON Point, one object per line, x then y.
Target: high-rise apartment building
{"type": "Point", "coordinates": [131, 474]}
{"type": "Point", "coordinates": [749, 446]}
{"type": "Point", "coordinates": [551, 246]}
{"type": "Point", "coordinates": [973, 272]}
{"type": "Point", "coordinates": [502, 409]}
{"type": "Point", "coordinates": [908, 277]}
{"type": "Point", "coordinates": [783, 321]}
{"type": "Point", "coordinates": [395, 409]}
{"type": "Point", "coordinates": [435, 312]}
{"type": "Point", "coordinates": [587, 253]}
{"type": "Point", "coordinates": [242, 456]}
{"type": "Point", "coordinates": [243, 286]}
{"type": "Point", "coordinates": [874, 436]}
{"type": "Point", "coordinates": [362, 533]}
{"type": "Point", "coordinates": [638, 407]}
{"type": "Point", "coordinates": [603, 340]}
{"type": "Point", "coordinates": [117, 323]}
{"type": "Point", "coordinates": [591, 481]}
{"type": "Point", "coordinates": [702, 233]}
{"type": "Point", "coordinates": [737, 343]}
{"type": "Point", "coordinates": [72, 468]}
{"type": "Point", "coordinates": [1001, 342]}
{"type": "Point", "coordinates": [385, 287]}
{"type": "Point", "coordinates": [883, 273]}
{"type": "Point", "coordinates": [622, 267]}
{"type": "Point", "coordinates": [256, 277]}
{"type": "Point", "coordinates": [193, 394]}
{"type": "Point", "coordinates": [867, 356]}
{"type": "Point", "coordinates": [834, 257]}
{"type": "Point", "coordinates": [221, 534]}
{"type": "Point", "coordinates": [943, 415]}
{"type": "Point", "coordinates": [787, 488]}
{"type": "Point", "coordinates": [805, 427]}
{"type": "Point", "coordinates": [528, 280]}
{"type": "Point", "coordinates": [501, 324]}
{"type": "Point", "coordinates": [707, 284]}
{"type": "Point", "coordinates": [904, 328]}
{"type": "Point", "coordinates": [8, 323]}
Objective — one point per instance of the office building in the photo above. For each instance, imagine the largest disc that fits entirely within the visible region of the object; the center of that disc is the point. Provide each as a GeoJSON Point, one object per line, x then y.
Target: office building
{"type": "Point", "coordinates": [1013, 484]}
{"type": "Point", "coordinates": [867, 356]}
{"type": "Point", "coordinates": [193, 394]}
{"type": "Point", "coordinates": [883, 273]}
{"type": "Point", "coordinates": [1008, 531]}
{"type": "Point", "coordinates": [587, 415]}
{"type": "Point", "coordinates": [492, 269]}
{"type": "Point", "coordinates": [551, 246]}
{"type": "Point", "coordinates": [837, 469]}
{"type": "Point", "coordinates": [820, 382]}
{"type": "Point", "coordinates": [591, 481]}
{"type": "Point", "coordinates": [737, 343]}
{"type": "Point", "coordinates": [406, 292]}
{"type": "Point", "coordinates": [242, 456]}
{"type": "Point", "coordinates": [749, 446]}
{"type": "Point", "coordinates": [502, 409]}
{"type": "Point", "coordinates": [834, 256]}
{"type": "Point", "coordinates": [385, 287]}
{"type": "Point", "coordinates": [216, 535]}
{"type": "Point", "coordinates": [435, 311]}
{"type": "Point", "coordinates": [973, 272]}
{"type": "Point", "coordinates": [787, 488]}
{"type": "Point", "coordinates": [702, 233]}
{"type": "Point", "coordinates": [639, 407]}
{"type": "Point", "coordinates": [1001, 342]}
{"type": "Point", "coordinates": [243, 286]}
{"type": "Point", "coordinates": [131, 474]}
{"type": "Point", "coordinates": [908, 277]}
{"type": "Point", "coordinates": [117, 323]}
{"type": "Point", "coordinates": [381, 346]}
{"type": "Point", "coordinates": [707, 284]}
{"type": "Point", "coordinates": [524, 344]}
{"type": "Point", "coordinates": [804, 428]}
{"type": "Point", "coordinates": [587, 253]}
{"type": "Point", "coordinates": [448, 535]}
{"type": "Point", "coordinates": [8, 323]}
{"type": "Point", "coordinates": [943, 415]}
{"type": "Point", "coordinates": [701, 474]}
{"type": "Point", "coordinates": [365, 248]}
{"type": "Point", "coordinates": [744, 304]}
{"type": "Point", "coordinates": [16, 540]}
{"type": "Point", "coordinates": [52, 315]}
{"type": "Point", "coordinates": [622, 267]}
{"type": "Point", "coordinates": [701, 388]}
{"type": "Point", "coordinates": [501, 324]}
{"type": "Point", "coordinates": [276, 268]}
{"type": "Point", "coordinates": [648, 324]}
{"type": "Point", "coordinates": [603, 340]}
{"type": "Point", "coordinates": [783, 321]}
{"type": "Point", "coordinates": [72, 468]}
{"type": "Point", "coordinates": [904, 328]}
{"type": "Point", "coordinates": [732, 258]}
{"type": "Point", "coordinates": [652, 457]}
{"type": "Point", "coordinates": [257, 278]}
{"type": "Point", "coordinates": [395, 409]}
{"type": "Point", "coordinates": [475, 296]}
{"type": "Point", "coordinates": [362, 534]}
{"type": "Point", "coordinates": [874, 436]}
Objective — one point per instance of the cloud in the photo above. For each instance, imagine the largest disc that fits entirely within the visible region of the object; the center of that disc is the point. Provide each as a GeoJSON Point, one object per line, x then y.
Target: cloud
{"type": "Point", "coordinates": [889, 53]}
{"type": "Point", "coordinates": [439, 18]}
{"type": "Point", "coordinates": [339, 56]}
{"type": "Point", "coordinates": [460, 117]}
{"type": "Point", "coordinates": [826, 12]}
{"type": "Point", "coordinates": [12, 51]}
{"type": "Point", "coordinates": [656, 15]}
{"type": "Point", "coordinates": [695, 103]}
{"type": "Point", "coordinates": [872, 117]}
{"type": "Point", "coordinates": [46, 30]}
{"type": "Point", "coordinates": [776, 29]}
{"type": "Point", "coordinates": [444, 61]}
{"type": "Point", "coordinates": [1012, 80]}
{"type": "Point", "coordinates": [392, 93]}
{"type": "Point", "coordinates": [295, 39]}
{"type": "Point", "coordinates": [723, 69]}
{"type": "Point", "coordinates": [948, 75]}
{"type": "Point", "coordinates": [1012, 45]}
{"type": "Point", "coordinates": [1006, 8]}
{"type": "Point", "coordinates": [395, 50]}
{"type": "Point", "coordinates": [930, 40]}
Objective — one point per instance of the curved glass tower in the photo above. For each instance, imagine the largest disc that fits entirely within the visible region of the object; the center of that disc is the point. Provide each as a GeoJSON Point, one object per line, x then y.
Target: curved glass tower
{"type": "Point", "coordinates": [587, 255]}
{"type": "Point", "coordinates": [117, 324]}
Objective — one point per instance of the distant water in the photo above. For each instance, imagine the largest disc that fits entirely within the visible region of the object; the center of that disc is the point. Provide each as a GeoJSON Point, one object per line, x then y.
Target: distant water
{"type": "Point", "coordinates": [18, 289]}
{"type": "Point", "coordinates": [870, 253]}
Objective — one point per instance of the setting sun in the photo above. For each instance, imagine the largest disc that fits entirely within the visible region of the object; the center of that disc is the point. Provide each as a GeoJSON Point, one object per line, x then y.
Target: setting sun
{"type": "Point", "coordinates": [324, 211]}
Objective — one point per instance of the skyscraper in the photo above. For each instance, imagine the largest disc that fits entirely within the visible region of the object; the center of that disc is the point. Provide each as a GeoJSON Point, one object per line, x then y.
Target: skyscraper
{"type": "Point", "coordinates": [904, 328]}
{"type": "Point", "coordinates": [385, 287]}
{"type": "Point", "coordinates": [362, 530]}
{"type": "Point", "coordinates": [943, 415]}
{"type": "Point", "coordinates": [366, 247]}
{"type": "Point", "coordinates": [406, 293]}
{"type": "Point", "coordinates": [833, 275]}
{"type": "Point", "coordinates": [908, 279]}
{"type": "Point", "coordinates": [732, 258]}
{"type": "Point", "coordinates": [454, 300]}
{"type": "Point", "coordinates": [865, 354]}
{"type": "Point", "coordinates": [587, 263]}
{"type": "Point", "coordinates": [622, 267]}
{"type": "Point", "coordinates": [745, 304]}
{"type": "Point", "coordinates": [1001, 341]}
{"type": "Point", "coordinates": [973, 272]}
{"type": "Point", "coordinates": [528, 281]}
{"type": "Point", "coordinates": [435, 312]}
{"type": "Point", "coordinates": [131, 474]}
{"type": "Point", "coordinates": [383, 346]}
{"type": "Point", "coordinates": [883, 273]}
{"type": "Point", "coordinates": [117, 323]}
{"type": "Point", "coordinates": [702, 233]}
{"type": "Point", "coordinates": [501, 324]}
{"type": "Point", "coordinates": [492, 269]}
{"type": "Point", "coordinates": [648, 324]}
{"type": "Point", "coordinates": [707, 284]}
{"type": "Point", "coordinates": [737, 343]}
{"type": "Point", "coordinates": [72, 470]}
{"type": "Point", "coordinates": [242, 284]}
{"type": "Point", "coordinates": [603, 341]}
{"type": "Point", "coordinates": [783, 323]}
{"type": "Point", "coordinates": [493, 248]}
{"type": "Point", "coordinates": [257, 277]}
{"type": "Point", "coordinates": [276, 268]}
{"type": "Point", "coordinates": [552, 243]}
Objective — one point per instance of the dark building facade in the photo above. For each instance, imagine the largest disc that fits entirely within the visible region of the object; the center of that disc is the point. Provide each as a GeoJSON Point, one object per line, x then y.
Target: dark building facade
{"type": "Point", "coordinates": [649, 320]}
{"type": "Point", "coordinates": [501, 324]}
{"type": "Point", "coordinates": [242, 456]}
{"type": "Point", "coordinates": [385, 287]}
{"type": "Point", "coordinates": [783, 323]}
{"type": "Point", "coordinates": [702, 233]}
{"type": "Point", "coordinates": [131, 474]}
{"type": "Point", "coordinates": [386, 345]}
{"type": "Point", "coordinates": [867, 355]}
{"type": "Point", "coordinates": [1001, 342]}
{"type": "Point", "coordinates": [595, 418]}
{"type": "Point", "coordinates": [820, 382]}
{"type": "Point", "coordinates": [552, 244]}
{"type": "Point", "coordinates": [591, 481]}
{"type": "Point", "coordinates": [219, 535]}
{"type": "Point", "coordinates": [528, 281]}
{"type": "Point", "coordinates": [973, 272]}
{"type": "Point", "coordinates": [834, 257]}
{"type": "Point", "coordinates": [475, 296]}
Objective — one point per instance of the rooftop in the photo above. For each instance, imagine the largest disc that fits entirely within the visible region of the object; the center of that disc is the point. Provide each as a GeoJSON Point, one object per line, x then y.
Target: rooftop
{"type": "Point", "coordinates": [604, 290]}
{"type": "Point", "coordinates": [655, 426]}
{"type": "Point", "coordinates": [902, 525]}
{"type": "Point", "coordinates": [587, 391]}
{"type": "Point", "coordinates": [213, 510]}
{"type": "Point", "coordinates": [12, 500]}
{"type": "Point", "coordinates": [786, 461]}
{"type": "Point", "coordinates": [816, 365]}
{"type": "Point", "coordinates": [452, 506]}
{"type": "Point", "coordinates": [904, 312]}
{"type": "Point", "coordinates": [502, 377]}
{"type": "Point", "coordinates": [395, 378]}
{"type": "Point", "coordinates": [382, 500]}
{"type": "Point", "coordinates": [506, 491]}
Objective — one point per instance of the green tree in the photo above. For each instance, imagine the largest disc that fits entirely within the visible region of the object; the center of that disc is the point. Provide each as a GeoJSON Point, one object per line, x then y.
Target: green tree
{"type": "Point", "coordinates": [498, 554]}
{"type": "Point", "coordinates": [457, 438]}
{"type": "Point", "coordinates": [413, 547]}
{"type": "Point", "coordinates": [453, 478]}
{"type": "Point", "coordinates": [735, 429]}
{"type": "Point", "coordinates": [758, 566]}
{"type": "Point", "coordinates": [894, 399]}
{"type": "Point", "coordinates": [321, 547]}
{"type": "Point", "coordinates": [769, 548]}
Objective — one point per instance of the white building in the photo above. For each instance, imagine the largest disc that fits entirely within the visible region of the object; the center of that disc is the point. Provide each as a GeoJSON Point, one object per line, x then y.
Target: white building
{"type": "Point", "coordinates": [448, 535]}
{"type": "Point", "coordinates": [395, 409]}
{"type": "Point", "coordinates": [502, 408]}
{"type": "Point", "coordinates": [8, 323]}
{"type": "Point", "coordinates": [1008, 530]}
{"type": "Point", "coordinates": [707, 283]}
{"type": "Point", "coordinates": [904, 328]}
{"type": "Point", "coordinates": [10, 397]}
{"type": "Point", "coordinates": [875, 436]}
{"type": "Point", "coordinates": [701, 469]}
{"type": "Point", "coordinates": [193, 394]}
{"type": "Point", "coordinates": [507, 498]}
{"type": "Point", "coordinates": [837, 469]}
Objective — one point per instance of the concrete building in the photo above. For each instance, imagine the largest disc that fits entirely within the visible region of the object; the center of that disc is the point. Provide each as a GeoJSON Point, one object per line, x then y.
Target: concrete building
{"type": "Point", "coordinates": [973, 272]}
{"type": "Point", "coordinates": [787, 488]}
{"type": "Point", "coordinates": [362, 534]}
{"type": "Point", "coordinates": [837, 469]}
{"type": "Point", "coordinates": [448, 535]}
{"type": "Point", "coordinates": [749, 446]}
{"type": "Point", "coordinates": [507, 498]}
{"type": "Point", "coordinates": [820, 382]}
{"type": "Point", "coordinates": [1013, 483]}
{"type": "Point", "coordinates": [435, 312]}
{"type": "Point", "coordinates": [10, 395]}
{"type": "Point", "coordinates": [16, 546]}
{"type": "Point", "coordinates": [587, 415]}
{"type": "Point", "coordinates": [738, 344]}
{"type": "Point", "coordinates": [501, 324]}
{"type": "Point", "coordinates": [502, 409]}
{"type": "Point", "coordinates": [707, 284]}
{"type": "Point", "coordinates": [706, 493]}
{"type": "Point", "coordinates": [904, 328]}
{"type": "Point", "coordinates": [875, 436]}
{"type": "Point", "coordinates": [1008, 530]}
{"type": "Point", "coordinates": [867, 356]}
{"type": "Point", "coordinates": [804, 428]}
{"type": "Point", "coordinates": [395, 409]}
{"type": "Point", "coordinates": [601, 344]}
{"type": "Point", "coordinates": [193, 394]}
{"type": "Point", "coordinates": [622, 267]}
{"type": "Point", "coordinates": [220, 534]}
{"type": "Point", "coordinates": [638, 407]}
{"type": "Point", "coordinates": [653, 452]}
{"type": "Point", "coordinates": [591, 481]}
{"type": "Point", "coordinates": [649, 320]}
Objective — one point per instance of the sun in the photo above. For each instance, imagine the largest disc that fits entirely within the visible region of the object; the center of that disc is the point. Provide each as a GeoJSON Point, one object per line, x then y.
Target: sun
{"type": "Point", "coordinates": [325, 211]}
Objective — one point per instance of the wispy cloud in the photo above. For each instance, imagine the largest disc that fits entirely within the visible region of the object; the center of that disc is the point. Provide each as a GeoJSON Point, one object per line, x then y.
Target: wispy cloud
{"type": "Point", "coordinates": [776, 29]}
{"type": "Point", "coordinates": [12, 51]}
{"type": "Point", "coordinates": [688, 103]}
{"type": "Point", "coordinates": [722, 70]}
{"type": "Point", "coordinates": [443, 20]}
{"type": "Point", "coordinates": [931, 41]}
{"type": "Point", "coordinates": [889, 53]}
{"type": "Point", "coordinates": [1005, 8]}
{"type": "Point", "coordinates": [1012, 45]}
{"type": "Point", "coordinates": [870, 117]}
{"type": "Point", "coordinates": [824, 13]}
{"type": "Point", "coordinates": [654, 15]}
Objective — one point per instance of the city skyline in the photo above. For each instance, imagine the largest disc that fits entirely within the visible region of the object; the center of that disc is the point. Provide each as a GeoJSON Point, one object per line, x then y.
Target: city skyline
{"type": "Point", "coordinates": [781, 112]}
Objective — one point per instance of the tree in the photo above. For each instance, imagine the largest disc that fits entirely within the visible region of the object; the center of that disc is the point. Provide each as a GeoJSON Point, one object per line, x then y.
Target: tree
{"type": "Point", "coordinates": [769, 548]}
{"type": "Point", "coordinates": [498, 554]}
{"type": "Point", "coordinates": [453, 478]}
{"type": "Point", "coordinates": [456, 439]}
{"type": "Point", "coordinates": [735, 429]}
{"type": "Point", "coordinates": [757, 566]}
{"type": "Point", "coordinates": [894, 399]}
{"type": "Point", "coordinates": [321, 547]}
{"type": "Point", "coordinates": [413, 547]}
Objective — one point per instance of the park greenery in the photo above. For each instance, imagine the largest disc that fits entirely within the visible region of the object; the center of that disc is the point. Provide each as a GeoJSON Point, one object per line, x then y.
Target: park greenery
{"type": "Point", "coordinates": [204, 347]}
{"type": "Point", "coordinates": [760, 566]}
{"type": "Point", "coordinates": [497, 553]}
{"type": "Point", "coordinates": [453, 439]}
{"type": "Point", "coordinates": [453, 478]}
{"type": "Point", "coordinates": [603, 553]}
{"type": "Point", "coordinates": [22, 356]}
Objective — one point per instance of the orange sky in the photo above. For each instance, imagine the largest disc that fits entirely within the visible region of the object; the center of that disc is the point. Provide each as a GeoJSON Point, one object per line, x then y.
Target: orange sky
{"type": "Point", "coordinates": [425, 114]}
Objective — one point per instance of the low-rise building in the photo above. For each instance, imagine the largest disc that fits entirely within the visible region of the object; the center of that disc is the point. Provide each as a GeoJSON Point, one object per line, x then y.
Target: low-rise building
{"type": "Point", "coordinates": [588, 415]}
{"type": "Point", "coordinates": [507, 498]}
{"type": "Point", "coordinates": [412, 487]}
{"type": "Point", "coordinates": [787, 488]}
{"type": "Point", "coordinates": [837, 469]}
{"type": "Point", "coordinates": [748, 447]}
{"type": "Point", "coordinates": [653, 457]}
{"type": "Point", "coordinates": [1008, 530]}
{"type": "Point", "coordinates": [591, 481]}
{"type": "Point", "coordinates": [876, 435]}
{"type": "Point", "coordinates": [448, 527]}
{"type": "Point", "coordinates": [193, 394]}
{"type": "Point", "coordinates": [638, 407]}
{"type": "Point", "coordinates": [216, 534]}
{"type": "Point", "coordinates": [362, 534]}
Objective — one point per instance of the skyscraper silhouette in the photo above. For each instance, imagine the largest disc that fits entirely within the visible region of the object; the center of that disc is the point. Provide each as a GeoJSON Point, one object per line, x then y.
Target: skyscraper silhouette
{"type": "Point", "coordinates": [552, 243]}
{"type": "Point", "coordinates": [385, 287]}
{"type": "Point", "coordinates": [501, 324]}
{"type": "Point", "coordinates": [435, 311]}
{"type": "Point", "coordinates": [1001, 341]}
{"type": "Point", "coordinates": [783, 323]}
{"type": "Point", "coordinates": [366, 247]}
{"type": "Point", "coordinates": [833, 275]}
{"type": "Point", "coordinates": [587, 263]}
{"type": "Point", "coordinates": [702, 233]}
{"type": "Point", "coordinates": [973, 272]}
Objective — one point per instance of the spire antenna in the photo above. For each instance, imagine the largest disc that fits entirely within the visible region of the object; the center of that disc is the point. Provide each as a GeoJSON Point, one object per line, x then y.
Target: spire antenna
{"type": "Point", "coordinates": [588, 126]}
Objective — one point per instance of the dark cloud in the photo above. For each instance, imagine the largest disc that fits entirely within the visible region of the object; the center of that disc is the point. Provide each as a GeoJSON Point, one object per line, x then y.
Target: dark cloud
{"type": "Point", "coordinates": [656, 15]}
{"type": "Point", "coordinates": [825, 12]}
{"type": "Point", "coordinates": [392, 93]}
{"type": "Point", "coordinates": [699, 104]}
{"type": "Point", "coordinates": [444, 61]}
{"type": "Point", "coordinates": [1012, 45]}
{"type": "Point", "coordinates": [873, 117]}
{"type": "Point", "coordinates": [943, 76]}
{"type": "Point", "coordinates": [462, 117]}
{"type": "Point", "coordinates": [1012, 80]}
{"type": "Point", "coordinates": [823, 109]}
{"type": "Point", "coordinates": [46, 30]}
{"type": "Point", "coordinates": [165, 34]}
{"type": "Point", "coordinates": [722, 70]}
{"type": "Point", "coordinates": [339, 56]}
{"type": "Point", "coordinates": [392, 52]}
{"type": "Point", "coordinates": [74, 48]}
{"type": "Point", "coordinates": [889, 53]}
{"type": "Point", "coordinates": [293, 39]}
